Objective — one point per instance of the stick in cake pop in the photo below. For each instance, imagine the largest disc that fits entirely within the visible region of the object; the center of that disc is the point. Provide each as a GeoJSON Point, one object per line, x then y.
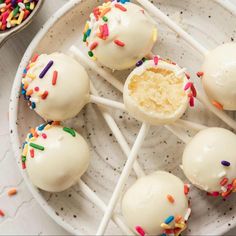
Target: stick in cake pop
{"type": "Point", "coordinates": [119, 33]}
{"type": "Point", "coordinates": [228, 5]}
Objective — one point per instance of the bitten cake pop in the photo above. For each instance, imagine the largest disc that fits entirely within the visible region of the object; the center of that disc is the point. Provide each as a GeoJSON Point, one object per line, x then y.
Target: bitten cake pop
{"type": "Point", "coordinates": [55, 157]}
{"type": "Point", "coordinates": [56, 86]}
{"type": "Point", "coordinates": [209, 161]}
{"type": "Point", "coordinates": [119, 34]}
{"type": "Point", "coordinates": [156, 204]}
{"type": "Point", "coordinates": [157, 92]}
{"type": "Point", "coordinates": [219, 76]}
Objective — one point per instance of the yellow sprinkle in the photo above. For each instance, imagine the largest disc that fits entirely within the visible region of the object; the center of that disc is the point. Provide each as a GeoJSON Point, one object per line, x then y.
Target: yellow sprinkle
{"type": "Point", "coordinates": [180, 225]}
{"type": "Point", "coordinates": [32, 139]}
{"type": "Point", "coordinates": [20, 18]}
{"type": "Point", "coordinates": [32, 64]}
{"type": "Point", "coordinates": [32, 6]}
{"type": "Point", "coordinates": [31, 76]}
{"type": "Point", "coordinates": [165, 226]}
{"type": "Point", "coordinates": [47, 127]}
{"type": "Point", "coordinates": [10, 16]}
{"type": "Point", "coordinates": [25, 150]}
{"type": "Point", "coordinates": [94, 58]}
{"type": "Point", "coordinates": [13, 22]}
{"type": "Point", "coordinates": [154, 35]}
{"type": "Point", "coordinates": [86, 27]}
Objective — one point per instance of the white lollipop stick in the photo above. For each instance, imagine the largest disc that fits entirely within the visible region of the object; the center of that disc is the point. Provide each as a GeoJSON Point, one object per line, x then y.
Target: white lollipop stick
{"type": "Point", "coordinates": [227, 5]}
{"type": "Point", "coordinates": [118, 135]}
{"type": "Point", "coordinates": [100, 204]}
{"type": "Point", "coordinates": [190, 125]}
{"type": "Point", "coordinates": [107, 102]}
{"type": "Point", "coordinates": [123, 178]}
{"type": "Point", "coordinates": [171, 24]}
{"type": "Point", "coordinates": [86, 61]}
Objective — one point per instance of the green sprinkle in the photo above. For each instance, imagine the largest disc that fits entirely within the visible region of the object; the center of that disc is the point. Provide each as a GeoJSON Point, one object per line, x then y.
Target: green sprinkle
{"type": "Point", "coordinates": [23, 158]}
{"type": "Point", "coordinates": [70, 131]}
{"type": "Point", "coordinates": [90, 53]}
{"type": "Point", "coordinates": [105, 18]}
{"type": "Point", "coordinates": [36, 146]}
{"type": "Point", "coordinates": [15, 11]}
{"type": "Point", "coordinates": [85, 37]}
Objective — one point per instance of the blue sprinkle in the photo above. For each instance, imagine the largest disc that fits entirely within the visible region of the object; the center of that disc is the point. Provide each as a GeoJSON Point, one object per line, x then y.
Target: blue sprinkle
{"type": "Point", "coordinates": [169, 219]}
{"type": "Point", "coordinates": [25, 71]}
{"type": "Point", "coordinates": [23, 92]}
{"type": "Point", "coordinates": [225, 163]}
{"type": "Point", "coordinates": [41, 127]}
{"type": "Point", "coordinates": [88, 32]}
{"type": "Point", "coordinates": [33, 105]}
{"type": "Point", "coordinates": [31, 136]}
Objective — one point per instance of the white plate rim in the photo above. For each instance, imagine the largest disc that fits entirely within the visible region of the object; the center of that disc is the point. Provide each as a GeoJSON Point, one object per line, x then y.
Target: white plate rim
{"type": "Point", "coordinates": [13, 111]}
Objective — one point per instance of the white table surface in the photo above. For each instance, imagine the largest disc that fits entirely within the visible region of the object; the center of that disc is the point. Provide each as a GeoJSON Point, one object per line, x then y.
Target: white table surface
{"type": "Point", "coordinates": [23, 214]}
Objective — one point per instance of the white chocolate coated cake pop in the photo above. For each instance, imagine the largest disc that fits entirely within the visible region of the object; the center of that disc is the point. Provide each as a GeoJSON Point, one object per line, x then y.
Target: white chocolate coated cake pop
{"type": "Point", "coordinates": [219, 76]}
{"type": "Point", "coordinates": [55, 157]}
{"type": "Point", "coordinates": [156, 204]}
{"type": "Point", "coordinates": [156, 93]}
{"type": "Point", "coordinates": [56, 86]}
{"type": "Point", "coordinates": [119, 34]}
{"type": "Point", "coordinates": [209, 161]}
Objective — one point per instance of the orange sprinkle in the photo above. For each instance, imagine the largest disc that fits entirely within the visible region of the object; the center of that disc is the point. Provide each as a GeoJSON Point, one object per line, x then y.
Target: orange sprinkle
{"type": "Point", "coordinates": [170, 198]}
{"type": "Point", "coordinates": [178, 218]}
{"type": "Point", "coordinates": [105, 11]}
{"type": "Point", "coordinates": [2, 214]}
{"type": "Point", "coordinates": [120, 7]}
{"type": "Point", "coordinates": [217, 105]}
{"type": "Point", "coordinates": [32, 131]}
{"type": "Point", "coordinates": [234, 183]}
{"type": "Point", "coordinates": [54, 77]}
{"type": "Point", "coordinates": [186, 189]}
{"type": "Point", "coordinates": [93, 46]}
{"type": "Point", "coordinates": [30, 92]}
{"type": "Point", "coordinates": [224, 181]}
{"type": "Point", "coordinates": [26, 86]}
{"type": "Point", "coordinates": [226, 194]}
{"type": "Point", "coordinates": [119, 43]}
{"type": "Point", "coordinates": [35, 57]}
{"type": "Point", "coordinates": [44, 95]}
{"type": "Point", "coordinates": [56, 123]}
{"type": "Point", "coordinates": [12, 192]}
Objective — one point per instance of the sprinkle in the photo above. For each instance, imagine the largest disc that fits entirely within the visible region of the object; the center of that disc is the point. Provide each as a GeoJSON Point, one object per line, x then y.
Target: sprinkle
{"type": "Point", "coordinates": [217, 105]}
{"type": "Point", "coordinates": [2, 214]}
{"type": "Point", "coordinates": [105, 11]}
{"type": "Point", "coordinates": [32, 153]}
{"type": "Point", "coordinates": [222, 174]}
{"type": "Point", "coordinates": [156, 60]}
{"type": "Point", "coordinates": [154, 35]}
{"type": "Point", "coordinates": [30, 92]}
{"type": "Point", "coordinates": [44, 95]}
{"type": "Point", "coordinates": [187, 214]}
{"type": "Point", "coordinates": [165, 226]}
{"type": "Point", "coordinates": [36, 89]}
{"type": "Point", "coordinates": [200, 74]}
{"type": "Point", "coordinates": [45, 70]}
{"type": "Point", "coordinates": [226, 194]}
{"type": "Point", "coordinates": [180, 225]}
{"type": "Point", "coordinates": [12, 192]}
{"type": "Point", "coordinates": [93, 46]}
{"type": "Point", "coordinates": [20, 18]}
{"type": "Point", "coordinates": [188, 86]}
{"type": "Point", "coordinates": [178, 218]}
{"type": "Point", "coordinates": [191, 101]}
{"type": "Point", "coordinates": [140, 230]}
{"type": "Point", "coordinates": [23, 165]}
{"type": "Point", "coordinates": [119, 43]}
{"type": "Point", "coordinates": [225, 163]}
{"type": "Point", "coordinates": [44, 136]}
{"type": "Point", "coordinates": [187, 75]}
{"type": "Point", "coordinates": [35, 57]}
{"type": "Point", "coordinates": [139, 63]}
{"type": "Point", "coordinates": [90, 53]}
{"type": "Point", "coordinates": [234, 183]}
{"type": "Point", "coordinates": [36, 146]}
{"type": "Point", "coordinates": [105, 18]}
{"type": "Point", "coordinates": [70, 131]}
{"type": "Point", "coordinates": [186, 189]}
{"type": "Point", "coordinates": [56, 123]}
{"type": "Point", "coordinates": [224, 181]}
{"type": "Point", "coordinates": [41, 127]}
{"type": "Point", "coordinates": [54, 77]}
{"type": "Point", "coordinates": [48, 126]}
{"type": "Point", "coordinates": [169, 219]}
{"type": "Point", "coordinates": [170, 198]}
{"type": "Point", "coordinates": [120, 7]}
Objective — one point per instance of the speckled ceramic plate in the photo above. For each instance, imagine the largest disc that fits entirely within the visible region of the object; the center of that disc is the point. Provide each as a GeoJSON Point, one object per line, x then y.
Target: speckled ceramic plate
{"type": "Point", "coordinates": [205, 20]}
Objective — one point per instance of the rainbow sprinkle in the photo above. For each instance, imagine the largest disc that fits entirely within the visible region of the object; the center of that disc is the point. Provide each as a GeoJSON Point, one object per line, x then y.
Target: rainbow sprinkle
{"type": "Point", "coordinates": [70, 131]}
{"type": "Point", "coordinates": [140, 230]}
{"type": "Point", "coordinates": [14, 12]}
{"type": "Point", "coordinates": [225, 163]}
{"type": "Point", "coordinates": [46, 69]}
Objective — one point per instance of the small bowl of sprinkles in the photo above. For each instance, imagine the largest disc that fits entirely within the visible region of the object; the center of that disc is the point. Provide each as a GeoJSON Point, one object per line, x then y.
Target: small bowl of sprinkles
{"type": "Point", "coordinates": [15, 15]}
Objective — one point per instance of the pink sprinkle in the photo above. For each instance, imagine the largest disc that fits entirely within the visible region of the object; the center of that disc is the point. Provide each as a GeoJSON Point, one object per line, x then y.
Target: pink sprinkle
{"type": "Point", "coordinates": [156, 60]}
{"type": "Point", "coordinates": [140, 231]}
{"type": "Point", "coordinates": [105, 30]}
{"type": "Point", "coordinates": [188, 85]}
{"type": "Point", "coordinates": [194, 91]}
{"type": "Point", "coordinates": [44, 135]}
{"type": "Point", "coordinates": [32, 153]}
{"type": "Point", "coordinates": [229, 187]}
{"type": "Point", "coordinates": [187, 75]}
{"type": "Point", "coordinates": [191, 101]}
{"type": "Point", "coordinates": [36, 89]}
{"type": "Point", "coordinates": [213, 194]}
{"type": "Point", "coordinates": [200, 73]}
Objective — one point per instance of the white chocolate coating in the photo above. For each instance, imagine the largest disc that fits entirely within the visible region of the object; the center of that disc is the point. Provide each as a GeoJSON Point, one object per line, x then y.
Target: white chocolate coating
{"type": "Point", "coordinates": [133, 27]}
{"type": "Point", "coordinates": [70, 93]}
{"type": "Point", "coordinates": [145, 203]}
{"type": "Point", "coordinates": [203, 155]}
{"type": "Point", "coordinates": [219, 79]}
{"type": "Point", "coordinates": [154, 94]}
{"type": "Point", "coordinates": [61, 164]}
